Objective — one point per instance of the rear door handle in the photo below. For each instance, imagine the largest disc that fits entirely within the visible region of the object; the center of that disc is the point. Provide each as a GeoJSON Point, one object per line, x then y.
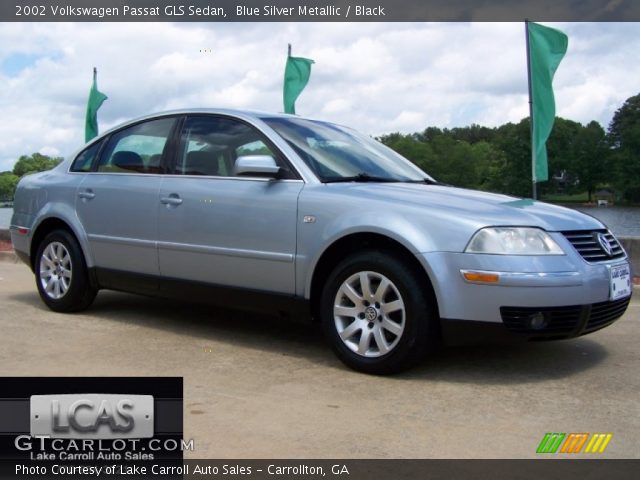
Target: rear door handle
{"type": "Point", "coordinates": [88, 194]}
{"type": "Point", "coordinates": [173, 199]}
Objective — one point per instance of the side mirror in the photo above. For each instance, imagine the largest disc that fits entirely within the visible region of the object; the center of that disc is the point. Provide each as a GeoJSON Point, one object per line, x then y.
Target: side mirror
{"type": "Point", "coordinates": [256, 166]}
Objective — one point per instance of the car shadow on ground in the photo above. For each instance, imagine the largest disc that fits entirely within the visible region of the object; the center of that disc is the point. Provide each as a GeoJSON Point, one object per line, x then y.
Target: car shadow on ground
{"type": "Point", "coordinates": [205, 323]}
{"type": "Point", "coordinates": [474, 364]}
{"type": "Point", "coordinates": [526, 362]}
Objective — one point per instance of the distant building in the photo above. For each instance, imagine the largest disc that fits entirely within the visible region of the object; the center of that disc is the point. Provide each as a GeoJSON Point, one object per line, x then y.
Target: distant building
{"type": "Point", "coordinates": [604, 197]}
{"type": "Point", "coordinates": [564, 180]}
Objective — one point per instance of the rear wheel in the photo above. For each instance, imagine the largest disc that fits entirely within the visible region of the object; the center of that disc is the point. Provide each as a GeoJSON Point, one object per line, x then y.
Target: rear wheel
{"type": "Point", "coordinates": [377, 313]}
{"type": "Point", "coordinates": [61, 273]}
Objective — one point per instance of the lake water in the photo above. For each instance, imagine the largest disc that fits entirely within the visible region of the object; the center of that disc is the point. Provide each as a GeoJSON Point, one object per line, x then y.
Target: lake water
{"type": "Point", "coordinates": [623, 221]}
{"type": "Point", "coordinates": [5, 217]}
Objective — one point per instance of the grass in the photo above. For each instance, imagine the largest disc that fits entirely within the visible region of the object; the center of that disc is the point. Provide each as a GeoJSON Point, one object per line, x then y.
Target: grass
{"type": "Point", "coordinates": [564, 198]}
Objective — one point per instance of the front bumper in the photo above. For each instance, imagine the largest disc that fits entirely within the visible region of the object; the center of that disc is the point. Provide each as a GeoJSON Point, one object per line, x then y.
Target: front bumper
{"type": "Point", "coordinates": [561, 322]}
{"type": "Point", "coordinates": [570, 293]}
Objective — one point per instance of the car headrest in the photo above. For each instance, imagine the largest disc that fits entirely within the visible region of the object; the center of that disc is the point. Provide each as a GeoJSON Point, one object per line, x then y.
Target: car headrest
{"type": "Point", "coordinates": [128, 161]}
{"type": "Point", "coordinates": [201, 163]}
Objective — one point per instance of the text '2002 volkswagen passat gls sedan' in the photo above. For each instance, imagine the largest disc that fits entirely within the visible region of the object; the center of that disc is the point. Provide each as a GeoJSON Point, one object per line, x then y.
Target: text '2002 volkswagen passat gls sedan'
{"type": "Point", "coordinates": [278, 211]}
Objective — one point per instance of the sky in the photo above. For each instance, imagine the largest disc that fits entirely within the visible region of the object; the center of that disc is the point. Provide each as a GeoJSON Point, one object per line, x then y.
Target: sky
{"type": "Point", "coordinates": [376, 77]}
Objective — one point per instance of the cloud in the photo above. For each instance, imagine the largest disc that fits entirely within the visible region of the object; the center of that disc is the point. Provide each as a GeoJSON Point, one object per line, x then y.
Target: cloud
{"type": "Point", "coordinates": [376, 77]}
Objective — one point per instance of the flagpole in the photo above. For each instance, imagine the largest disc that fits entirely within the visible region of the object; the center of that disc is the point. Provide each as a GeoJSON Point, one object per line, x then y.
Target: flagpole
{"type": "Point", "coordinates": [289, 50]}
{"type": "Point", "coordinates": [533, 155]}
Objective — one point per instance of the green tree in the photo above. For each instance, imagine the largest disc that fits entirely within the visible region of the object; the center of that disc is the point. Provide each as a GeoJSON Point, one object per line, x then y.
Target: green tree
{"type": "Point", "coordinates": [411, 148]}
{"type": "Point", "coordinates": [36, 162]}
{"type": "Point", "coordinates": [491, 161]}
{"type": "Point", "coordinates": [514, 140]}
{"type": "Point", "coordinates": [561, 144]}
{"type": "Point", "coordinates": [8, 184]}
{"type": "Point", "coordinates": [591, 157]}
{"type": "Point", "coordinates": [472, 134]}
{"type": "Point", "coordinates": [622, 129]}
{"type": "Point", "coordinates": [454, 162]}
{"type": "Point", "coordinates": [499, 159]}
{"type": "Point", "coordinates": [624, 138]}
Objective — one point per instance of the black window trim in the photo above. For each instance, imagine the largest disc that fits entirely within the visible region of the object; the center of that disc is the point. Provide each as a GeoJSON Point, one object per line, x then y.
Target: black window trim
{"type": "Point", "coordinates": [167, 153]}
{"type": "Point", "coordinates": [174, 146]}
{"type": "Point", "coordinates": [100, 142]}
{"type": "Point", "coordinates": [290, 172]}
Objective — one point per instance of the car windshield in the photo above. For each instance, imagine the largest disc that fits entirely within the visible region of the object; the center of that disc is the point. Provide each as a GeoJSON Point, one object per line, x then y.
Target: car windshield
{"type": "Point", "coordinates": [339, 154]}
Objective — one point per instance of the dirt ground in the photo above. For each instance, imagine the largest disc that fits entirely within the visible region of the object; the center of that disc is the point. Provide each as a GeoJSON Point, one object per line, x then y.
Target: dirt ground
{"type": "Point", "coordinates": [262, 387]}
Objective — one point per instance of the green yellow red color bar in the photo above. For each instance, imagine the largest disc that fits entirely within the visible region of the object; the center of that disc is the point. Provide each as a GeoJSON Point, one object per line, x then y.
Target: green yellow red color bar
{"type": "Point", "coordinates": [574, 442]}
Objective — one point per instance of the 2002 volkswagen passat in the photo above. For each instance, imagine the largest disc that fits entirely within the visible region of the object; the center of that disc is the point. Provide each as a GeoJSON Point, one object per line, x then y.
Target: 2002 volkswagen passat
{"type": "Point", "coordinates": [278, 211]}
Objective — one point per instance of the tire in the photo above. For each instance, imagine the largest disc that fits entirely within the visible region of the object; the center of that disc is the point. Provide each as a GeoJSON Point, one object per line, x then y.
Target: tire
{"type": "Point", "coordinates": [378, 331]}
{"type": "Point", "coordinates": [61, 273]}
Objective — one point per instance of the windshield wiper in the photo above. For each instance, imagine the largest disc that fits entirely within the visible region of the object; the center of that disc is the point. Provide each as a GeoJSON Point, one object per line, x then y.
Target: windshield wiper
{"type": "Point", "coordinates": [428, 181]}
{"type": "Point", "coordinates": [360, 177]}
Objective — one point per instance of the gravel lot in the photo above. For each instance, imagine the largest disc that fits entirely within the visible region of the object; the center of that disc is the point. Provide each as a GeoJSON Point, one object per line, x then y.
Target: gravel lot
{"type": "Point", "coordinates": [262, 387]}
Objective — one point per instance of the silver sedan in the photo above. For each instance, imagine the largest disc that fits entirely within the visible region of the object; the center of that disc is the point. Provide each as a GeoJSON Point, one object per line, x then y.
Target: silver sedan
{"type": "Point", "coordinates": [267, 211]}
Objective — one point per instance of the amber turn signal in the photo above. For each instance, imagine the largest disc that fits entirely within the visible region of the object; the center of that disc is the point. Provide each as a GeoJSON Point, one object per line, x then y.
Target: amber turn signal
{"type": "Point", "coordinates": [481, 277]}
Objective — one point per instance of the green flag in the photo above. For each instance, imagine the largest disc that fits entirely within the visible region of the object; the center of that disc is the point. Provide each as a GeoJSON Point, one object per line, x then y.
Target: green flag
{"type": "Point", "coordinates": [547, 47]}
{"type": "Point", "coordinates": [95, 101]}
{"type": "Point", "coordinates": [296, 76]}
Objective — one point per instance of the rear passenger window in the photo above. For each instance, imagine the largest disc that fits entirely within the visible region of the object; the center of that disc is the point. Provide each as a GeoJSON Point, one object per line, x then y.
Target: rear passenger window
{"type": "Point", "coordinates": [84, 160]}
{"type": "Point", "coordinates": [211, 145]}
{"type": "Point", "coordinates": [137, 149]}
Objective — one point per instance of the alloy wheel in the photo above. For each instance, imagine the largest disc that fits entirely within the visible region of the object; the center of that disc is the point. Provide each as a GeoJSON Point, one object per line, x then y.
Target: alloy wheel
{"type": "Point", "coordinates": [55, 270]}
{"type": "Point", "coordinates": [369, 314]}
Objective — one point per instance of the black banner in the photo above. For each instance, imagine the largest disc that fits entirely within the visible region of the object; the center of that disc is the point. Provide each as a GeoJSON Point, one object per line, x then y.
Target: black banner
{"type": "Point", "coordinates": [319, 10]}
{"type": "Point", "coordinates": [334, 469]}
{"type": "Point", "coordinates": [90, 419]}
{"type": "Point", "coordinates": [112, 449]}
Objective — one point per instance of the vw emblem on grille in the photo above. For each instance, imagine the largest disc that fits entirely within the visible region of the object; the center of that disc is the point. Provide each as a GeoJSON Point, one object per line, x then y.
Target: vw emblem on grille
{"type": "Point", "coordinates": [604, 244]}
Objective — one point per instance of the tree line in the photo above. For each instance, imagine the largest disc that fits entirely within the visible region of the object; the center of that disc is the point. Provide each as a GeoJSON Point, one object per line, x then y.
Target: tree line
{"type": "Point", "coordinates": [582, 158]}
{"type": "Point", "coordinates": [25, 165]}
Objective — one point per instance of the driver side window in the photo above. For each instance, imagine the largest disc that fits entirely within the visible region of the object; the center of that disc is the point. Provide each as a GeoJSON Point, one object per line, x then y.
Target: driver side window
{"type": "Point", "coordinates": [210, 146]}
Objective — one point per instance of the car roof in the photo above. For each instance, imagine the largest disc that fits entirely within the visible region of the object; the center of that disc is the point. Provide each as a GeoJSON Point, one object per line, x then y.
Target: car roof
{"type": "Point", "coordinates": [247, 114]}
{"type": "Point", "coordinates": [227, 111]}
{"type": "Point", "coordinates": [250, 115]}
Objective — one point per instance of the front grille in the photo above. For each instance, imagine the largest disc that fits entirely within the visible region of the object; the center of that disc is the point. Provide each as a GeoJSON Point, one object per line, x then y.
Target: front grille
{"type": "Point", "coordinates": [602, 314]}
{"type": "Point", "coordinates": [587, 244]}
{"type": "Point", "coordinates": [564, 322]}
{"type": "Point", "coordinates": [559, 320]}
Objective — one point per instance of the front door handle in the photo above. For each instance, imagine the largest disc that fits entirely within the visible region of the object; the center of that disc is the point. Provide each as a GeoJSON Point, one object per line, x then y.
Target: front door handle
{"type": "Point", "coordinates": [173, 199]}
{"type": "Point", "coordinates": [87, 194]}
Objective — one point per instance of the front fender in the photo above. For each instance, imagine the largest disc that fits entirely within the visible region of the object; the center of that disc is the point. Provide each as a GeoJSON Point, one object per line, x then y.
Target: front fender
{"type": "Point", "coordinates": [314, 239]}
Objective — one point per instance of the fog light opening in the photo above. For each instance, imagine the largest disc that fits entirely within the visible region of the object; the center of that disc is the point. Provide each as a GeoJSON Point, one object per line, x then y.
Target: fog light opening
{"type": "Point", "coordinates": [537, 321]}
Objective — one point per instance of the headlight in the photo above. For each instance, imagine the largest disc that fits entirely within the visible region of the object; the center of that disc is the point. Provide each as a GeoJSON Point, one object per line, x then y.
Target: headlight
{"type": "Point", "coordinates": [513, 241]}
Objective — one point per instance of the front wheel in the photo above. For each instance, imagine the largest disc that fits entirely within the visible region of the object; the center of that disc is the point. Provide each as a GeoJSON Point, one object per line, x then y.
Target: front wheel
{"type": "Point", "coordinates": [61, 273]}
{"type": "Point", "coordinates": [378, 313]}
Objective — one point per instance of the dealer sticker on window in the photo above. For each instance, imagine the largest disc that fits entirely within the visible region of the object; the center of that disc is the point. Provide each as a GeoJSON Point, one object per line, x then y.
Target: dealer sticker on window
{"type": "Point", "coordinates": [620, 285]}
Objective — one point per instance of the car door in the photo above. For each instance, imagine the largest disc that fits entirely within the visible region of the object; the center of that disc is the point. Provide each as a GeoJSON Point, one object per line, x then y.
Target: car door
{"type": "Point", "coordinates": [118, 203]}
{"type": "Point", "coordinates": [222, 229]}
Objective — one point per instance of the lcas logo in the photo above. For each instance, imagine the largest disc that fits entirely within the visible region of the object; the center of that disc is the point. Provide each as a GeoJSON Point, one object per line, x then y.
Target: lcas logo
{"type": "Point", "coordinates": [98, 416]}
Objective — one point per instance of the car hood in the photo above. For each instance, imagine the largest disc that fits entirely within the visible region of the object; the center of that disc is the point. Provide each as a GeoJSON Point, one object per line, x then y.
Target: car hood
{"type": "Point", "coordinates": [475, 208]}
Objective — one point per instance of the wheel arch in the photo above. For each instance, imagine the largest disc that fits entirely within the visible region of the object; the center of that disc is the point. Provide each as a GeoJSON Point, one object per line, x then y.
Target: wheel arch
{"type": "Point", "coordinates": [48, 224]}
{"type": "Point", "coordinates": [348, 244]}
